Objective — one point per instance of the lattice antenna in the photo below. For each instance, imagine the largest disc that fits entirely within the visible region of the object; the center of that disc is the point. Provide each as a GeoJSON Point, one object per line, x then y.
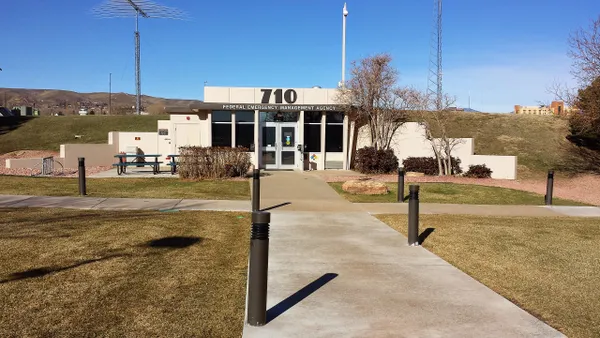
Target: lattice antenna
{"type": "Point", "coordinates": [434, 78]}
{"type": "Point", "coordinates": [135, 8]}
{"type": "Point", "coordinates": [131, 8]}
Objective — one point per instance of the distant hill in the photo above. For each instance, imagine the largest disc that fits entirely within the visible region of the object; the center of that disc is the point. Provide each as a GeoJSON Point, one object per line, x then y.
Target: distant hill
{"type": "Point", "coordinates": [50, 101]}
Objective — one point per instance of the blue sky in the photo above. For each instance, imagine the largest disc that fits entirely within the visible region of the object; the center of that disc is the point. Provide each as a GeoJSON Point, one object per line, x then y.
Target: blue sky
{"type": "Point", "coordinates": [502, 52]}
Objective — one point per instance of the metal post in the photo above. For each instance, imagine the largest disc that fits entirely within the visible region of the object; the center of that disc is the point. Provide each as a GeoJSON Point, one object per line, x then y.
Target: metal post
{"type": "Point", "coordinates": [413, 215]}
{"type": "Point", "coordinates": [258, 269]}
{"type": "Point", "coordinates": [256, 190]}
{"type": "Point", "coordinates": [82, 190]}
{"type": "Point", "coordinates": [400, 184]}
{"type": "Point", "coordinates": [549, 187]}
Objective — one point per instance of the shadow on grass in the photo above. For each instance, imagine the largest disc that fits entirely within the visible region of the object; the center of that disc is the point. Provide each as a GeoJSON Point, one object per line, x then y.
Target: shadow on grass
{"type": "Point", "coordinates": [423, 236]}
{"type": "Point", "coordinates": [297, 297]}
{"type": "Point", "coordinates": [43, 271]}
{"type": "Point", "coordinates": [175, 242]}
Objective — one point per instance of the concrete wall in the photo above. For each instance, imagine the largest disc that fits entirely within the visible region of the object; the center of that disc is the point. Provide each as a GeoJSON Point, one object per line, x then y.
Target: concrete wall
{"type": "Point", "coordinates": [255, 95]}
{"type": "Point", "coordinates": [95, 154]}
{"type": "Point", "coordinates": [503, 167]}
{"type": "Point", "coordinates": [31, 163]}
{"type": "Point", "coordinates": [410, 141]}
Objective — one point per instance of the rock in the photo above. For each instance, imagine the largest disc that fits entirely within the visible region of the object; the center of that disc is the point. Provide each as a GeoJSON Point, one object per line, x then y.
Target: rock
{"type": "Point", "coordinates": [365, 187]}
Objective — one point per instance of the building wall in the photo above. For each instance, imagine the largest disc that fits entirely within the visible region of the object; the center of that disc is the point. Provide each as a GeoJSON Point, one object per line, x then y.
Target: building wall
{"type": "Point", "coordinates": [249, 95]}
{"type": "Point", "coordinates": [94, 154]}
{"type": "Point", "coordinates": [410, 141]}
{"type": "Point", "coordinates": [503, 167]}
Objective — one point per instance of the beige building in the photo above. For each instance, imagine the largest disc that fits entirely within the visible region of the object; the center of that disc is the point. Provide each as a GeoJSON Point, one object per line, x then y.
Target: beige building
{"type": "Point", "coordinates": [282, 128]}
{"type": "Point", "coordinates": [555, 108]}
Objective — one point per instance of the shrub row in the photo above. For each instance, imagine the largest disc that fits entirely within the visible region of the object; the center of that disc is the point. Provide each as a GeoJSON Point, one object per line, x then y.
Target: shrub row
{"type": "Point", "coordinates": [372, 161]}
{"type": "Point", "coordinates": [429, 165]}
{"type": "Point", "coordinates": [212, 162]}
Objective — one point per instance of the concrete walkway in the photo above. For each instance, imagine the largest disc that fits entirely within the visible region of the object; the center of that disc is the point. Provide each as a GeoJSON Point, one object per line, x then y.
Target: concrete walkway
{"type": "Point", "coordinates": [336, 271]}
{"type": "Point", "coordinates": [286, 202]}
{"type": "Point", "coordinates": [349, 275]}
{"type": "Point", "coordinates": [91, 203]}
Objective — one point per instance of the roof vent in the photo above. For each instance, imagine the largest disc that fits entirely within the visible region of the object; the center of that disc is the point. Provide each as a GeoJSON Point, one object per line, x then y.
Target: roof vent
{"type": "Point", "coordinates": [317, 87]}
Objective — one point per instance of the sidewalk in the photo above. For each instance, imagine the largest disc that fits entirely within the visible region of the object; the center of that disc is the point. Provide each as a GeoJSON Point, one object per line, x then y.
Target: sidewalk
{"type": "Point", "coordinates": [279, 204]}
{"type": "Point", "coordinates": [91, 203]}
{"type": "Point", "coordinates": [350, 275]}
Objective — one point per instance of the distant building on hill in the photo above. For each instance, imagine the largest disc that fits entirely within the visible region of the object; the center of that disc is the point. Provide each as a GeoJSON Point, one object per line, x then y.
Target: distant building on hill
{"type": "Point", "coordinates": [556, 108]}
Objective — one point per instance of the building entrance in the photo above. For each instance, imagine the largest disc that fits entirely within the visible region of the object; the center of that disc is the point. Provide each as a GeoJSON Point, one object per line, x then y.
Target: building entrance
{"type": "Point", "coordinates": [279, 142]}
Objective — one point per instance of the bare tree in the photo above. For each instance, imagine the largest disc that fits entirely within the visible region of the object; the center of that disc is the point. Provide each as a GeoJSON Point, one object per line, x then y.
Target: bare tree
{"type": "Point", "coordinates": [436, 125]}
{"type": "Point", "coordinates": [373, 98]}
{"type": "Point", "coordinates": [585, 51]}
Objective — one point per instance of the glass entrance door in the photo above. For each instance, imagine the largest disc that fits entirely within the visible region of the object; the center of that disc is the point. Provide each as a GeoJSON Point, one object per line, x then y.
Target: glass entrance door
{"type": "Point", "coordinates": [279, 141]}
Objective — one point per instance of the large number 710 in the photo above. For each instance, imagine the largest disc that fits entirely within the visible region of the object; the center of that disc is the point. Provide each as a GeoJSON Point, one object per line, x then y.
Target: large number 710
{"type": "Point", "coordinates": [290, 96]}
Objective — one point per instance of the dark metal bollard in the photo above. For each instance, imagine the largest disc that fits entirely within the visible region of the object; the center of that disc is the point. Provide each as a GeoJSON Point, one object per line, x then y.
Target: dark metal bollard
{"type": "Point", "coordinates": [413, 215]}
{"type": "Point", "coordinates": [549, 187]}
{"type": "Point", "coordinates": [400, 184]}
{"type": "Point", "coordinates": [82, 188]}
{"type": "Point", "coordinates": [258, 269]}
{"type": "Point", "coordinates": [256, 190]}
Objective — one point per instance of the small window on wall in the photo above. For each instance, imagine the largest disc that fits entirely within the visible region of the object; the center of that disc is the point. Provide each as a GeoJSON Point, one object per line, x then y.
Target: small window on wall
{"type": "Point", "coordinates": [312, 131]}
{"type": "Point", "coordinates": [334, 132]}
{"type": "Point", "coordinates": [244, 129]}
{"type": "Point", "coordinates": [221, 129]}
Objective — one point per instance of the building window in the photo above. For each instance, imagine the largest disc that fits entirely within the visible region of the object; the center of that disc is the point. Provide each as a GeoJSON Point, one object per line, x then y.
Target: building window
{"type": "Point", "coordinates": [221, 129]}
{"type": "Point", "coordinates": [312, 131]}
{"type": "Point", "coordinates": [244, 129]}
{"type": "Point", "coordinates": [334, 133]}
{"type": "Point", "coordinates": [278, 116]}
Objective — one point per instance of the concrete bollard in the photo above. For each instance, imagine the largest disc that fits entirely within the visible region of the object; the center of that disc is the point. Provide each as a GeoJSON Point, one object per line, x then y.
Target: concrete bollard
{"type": "Point", "coordinates": [400, 184]}
{"type": "Point", "coordinates": [258, 269]}
{"type": "Point", "coordinates": [256, 190]}
{"type": "Point", "coordinates": [549, 187]}
{"type": "Point", "coordinates": [413, 215]}
{"type": "Point", "coordinates": [82, 187]}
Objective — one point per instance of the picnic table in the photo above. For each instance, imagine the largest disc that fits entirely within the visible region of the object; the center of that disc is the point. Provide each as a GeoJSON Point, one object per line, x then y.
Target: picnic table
{"type": "Point", "coordinates": [173, 163]}
{"type": "Point", "coordinates": [123, 162]}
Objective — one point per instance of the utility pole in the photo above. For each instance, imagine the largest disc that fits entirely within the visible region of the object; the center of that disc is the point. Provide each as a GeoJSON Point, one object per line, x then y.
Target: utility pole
{"type": "Point", "coordinates": [109, 93]}
{"type": "Point", "coordinates": [344, 16]}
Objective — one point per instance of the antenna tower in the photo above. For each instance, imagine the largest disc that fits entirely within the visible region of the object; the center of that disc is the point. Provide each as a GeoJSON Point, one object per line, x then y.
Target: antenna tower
{"type": "Point", "coordinates": [434, 78]}
{"type": "Point", "coordinates": [135, 8]}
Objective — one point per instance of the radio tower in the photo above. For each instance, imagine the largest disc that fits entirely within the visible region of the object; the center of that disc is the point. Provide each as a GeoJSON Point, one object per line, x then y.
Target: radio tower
{"type": "Point", "coordinates": [434, 78]}
{"type": "Point", "coordinates": [135, 8]}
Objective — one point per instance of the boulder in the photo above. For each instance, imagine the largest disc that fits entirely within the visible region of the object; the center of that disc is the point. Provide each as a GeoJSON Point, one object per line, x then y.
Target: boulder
{"type": "Point", "coordinates": [365, 187]}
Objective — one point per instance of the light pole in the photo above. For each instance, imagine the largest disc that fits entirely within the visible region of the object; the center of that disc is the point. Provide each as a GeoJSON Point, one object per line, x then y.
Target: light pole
{"type": "Point", "coordinates": [345, 14]}
{"type": "Point", "coordinates": [109, 93]}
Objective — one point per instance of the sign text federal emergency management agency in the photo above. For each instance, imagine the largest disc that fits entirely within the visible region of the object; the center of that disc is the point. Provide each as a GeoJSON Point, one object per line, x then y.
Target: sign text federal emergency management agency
{"type": "Point", "coordinates": [281, 107]}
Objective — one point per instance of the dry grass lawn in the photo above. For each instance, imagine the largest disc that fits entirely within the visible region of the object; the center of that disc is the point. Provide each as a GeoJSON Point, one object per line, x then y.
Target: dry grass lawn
{"type": "Point", "coordinates": [548, 266]}
{"type": "Point", "coordinates": [126, 187]}
{"type": "Point", "coordinates": [66, 273]}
